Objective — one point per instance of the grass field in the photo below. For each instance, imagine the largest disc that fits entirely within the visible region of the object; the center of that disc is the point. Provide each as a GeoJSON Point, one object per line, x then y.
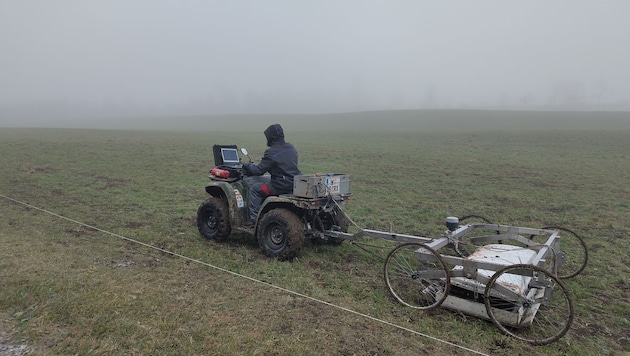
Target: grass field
{"type": "Point", "coordinates": [69, 289]}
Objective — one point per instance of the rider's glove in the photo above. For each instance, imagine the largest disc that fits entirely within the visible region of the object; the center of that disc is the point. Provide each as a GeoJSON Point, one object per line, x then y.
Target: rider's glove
{"type": "Point", "coordinates": [247, 168]}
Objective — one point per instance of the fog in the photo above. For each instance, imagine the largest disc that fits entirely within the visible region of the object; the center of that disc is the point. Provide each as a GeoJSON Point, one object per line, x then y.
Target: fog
{"type": "Point", "coordinates": [120, 58]}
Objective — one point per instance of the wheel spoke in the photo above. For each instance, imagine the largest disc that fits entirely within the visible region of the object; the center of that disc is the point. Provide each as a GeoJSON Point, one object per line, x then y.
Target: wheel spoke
{"type": "Point", "coordinates": [540, 313]}
{"type": "Point", "coordinates": [416, 276]}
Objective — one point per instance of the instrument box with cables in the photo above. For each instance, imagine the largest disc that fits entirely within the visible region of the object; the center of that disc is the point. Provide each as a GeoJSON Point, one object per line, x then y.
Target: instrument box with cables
{"type": "Point", "coordinates": [321, 185]}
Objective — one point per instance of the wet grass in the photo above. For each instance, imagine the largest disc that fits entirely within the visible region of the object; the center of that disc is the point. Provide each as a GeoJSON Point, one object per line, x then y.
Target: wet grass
{"type": "Point", "coordinates": [69, 289]}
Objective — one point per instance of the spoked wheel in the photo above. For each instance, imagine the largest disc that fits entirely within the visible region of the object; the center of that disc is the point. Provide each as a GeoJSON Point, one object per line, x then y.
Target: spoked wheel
{"type": "Point", "coordinates": [529, 303]}
{"type": "Point", "coordinates": [417, 276]}
{"type": "Point", "coordinates": [573, 254]}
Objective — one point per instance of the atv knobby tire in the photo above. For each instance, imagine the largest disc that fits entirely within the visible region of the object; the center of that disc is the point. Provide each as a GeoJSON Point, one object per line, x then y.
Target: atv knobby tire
{"type": "Point", "coordinates": [213, 219]}
{"type": "Point", "coordinates": [280, 234]}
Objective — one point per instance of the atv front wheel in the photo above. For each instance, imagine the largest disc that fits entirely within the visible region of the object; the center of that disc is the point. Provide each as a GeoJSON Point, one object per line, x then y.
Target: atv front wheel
{"type": "Point", "coordinates": [213, 219]}
{"type": "Point", "coordinates": [280, 234]}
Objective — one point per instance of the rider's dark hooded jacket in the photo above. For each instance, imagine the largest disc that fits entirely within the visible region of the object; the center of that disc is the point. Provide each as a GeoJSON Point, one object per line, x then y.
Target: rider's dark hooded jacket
{"type": "Point", "coordinates": [280, 160]}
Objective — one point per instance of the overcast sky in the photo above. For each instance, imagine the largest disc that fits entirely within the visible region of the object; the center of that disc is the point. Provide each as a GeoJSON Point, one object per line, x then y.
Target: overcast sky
{"type": "Point", "coordinates": [238, 56]}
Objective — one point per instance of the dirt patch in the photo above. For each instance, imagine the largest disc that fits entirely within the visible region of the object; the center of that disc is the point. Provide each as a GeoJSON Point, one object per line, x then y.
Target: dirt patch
{"type": "Point", "coordinates": [13, 350]}
{"type": "Point", "coordinates": [10, 348]}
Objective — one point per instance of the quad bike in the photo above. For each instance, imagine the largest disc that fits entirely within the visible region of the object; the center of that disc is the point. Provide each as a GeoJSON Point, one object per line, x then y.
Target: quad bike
{"type": "Point", "coordinates": [285, 221]}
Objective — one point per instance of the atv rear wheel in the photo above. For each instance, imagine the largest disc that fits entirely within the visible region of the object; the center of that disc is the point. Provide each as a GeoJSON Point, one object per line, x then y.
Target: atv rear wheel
{"type": "Point", "coordinates": [213, 219]}
{"type": "Point", "coordinates": [280, 234]}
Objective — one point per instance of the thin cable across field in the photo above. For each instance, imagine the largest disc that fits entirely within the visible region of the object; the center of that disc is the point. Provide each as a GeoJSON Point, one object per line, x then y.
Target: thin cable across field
{"type": "Point", "coordinates": [245, 277]}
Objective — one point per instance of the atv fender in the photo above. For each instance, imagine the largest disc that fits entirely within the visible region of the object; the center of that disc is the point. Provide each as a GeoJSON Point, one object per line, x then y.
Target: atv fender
{"type": "Point", "coordinates": [237, 203]}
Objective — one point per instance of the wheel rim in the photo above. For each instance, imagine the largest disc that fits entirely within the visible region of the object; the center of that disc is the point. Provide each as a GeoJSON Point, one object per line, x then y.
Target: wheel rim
{"type": "Point", "coordinates": [276, 236]}
{"type": "Point", "coordinates": [416, 276]}
{"type": "Point", "coordinates": [212, 222]}
{"type": "Point", "coordinates": [542, 318]}
{"type": "Point", "coordinates": [573, 253]}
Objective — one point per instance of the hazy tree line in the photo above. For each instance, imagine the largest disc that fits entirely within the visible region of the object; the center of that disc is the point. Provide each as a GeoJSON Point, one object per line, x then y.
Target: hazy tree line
{"type": "Point", "coordinates": [564, 95]}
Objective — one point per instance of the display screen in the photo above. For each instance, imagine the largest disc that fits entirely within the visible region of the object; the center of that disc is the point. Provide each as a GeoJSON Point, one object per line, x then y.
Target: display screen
{"type": "Point", "coordinates": [229, 155]}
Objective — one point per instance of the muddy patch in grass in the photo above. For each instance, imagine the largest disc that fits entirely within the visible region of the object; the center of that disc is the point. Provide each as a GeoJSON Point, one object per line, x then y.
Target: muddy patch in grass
{"type": "Point", "coordinates": [10, 347]}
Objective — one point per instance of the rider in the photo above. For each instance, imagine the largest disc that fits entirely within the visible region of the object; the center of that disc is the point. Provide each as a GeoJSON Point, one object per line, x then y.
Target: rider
{"type": "Point", "coordinates": [281, 161]}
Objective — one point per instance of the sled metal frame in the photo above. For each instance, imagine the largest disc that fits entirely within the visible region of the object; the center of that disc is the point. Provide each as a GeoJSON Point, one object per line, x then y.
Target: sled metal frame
{"type": "Point", "coordinates": [473, 275]}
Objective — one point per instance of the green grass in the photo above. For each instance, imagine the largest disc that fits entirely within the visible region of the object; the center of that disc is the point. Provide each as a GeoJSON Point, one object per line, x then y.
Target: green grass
{"type": "Point", "coordinates": [68, 289]}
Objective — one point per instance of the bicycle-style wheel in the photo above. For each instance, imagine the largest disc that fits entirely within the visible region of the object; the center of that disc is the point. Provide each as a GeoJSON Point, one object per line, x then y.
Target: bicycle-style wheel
{"type": "Point", "coordinates": [417, 276]}
{"type": "Point", "coordinates": [529, 303]}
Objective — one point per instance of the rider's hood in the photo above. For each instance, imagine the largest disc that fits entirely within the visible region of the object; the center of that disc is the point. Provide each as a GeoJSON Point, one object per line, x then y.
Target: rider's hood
{"type": "Point", "coordinates": [274, 133]}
